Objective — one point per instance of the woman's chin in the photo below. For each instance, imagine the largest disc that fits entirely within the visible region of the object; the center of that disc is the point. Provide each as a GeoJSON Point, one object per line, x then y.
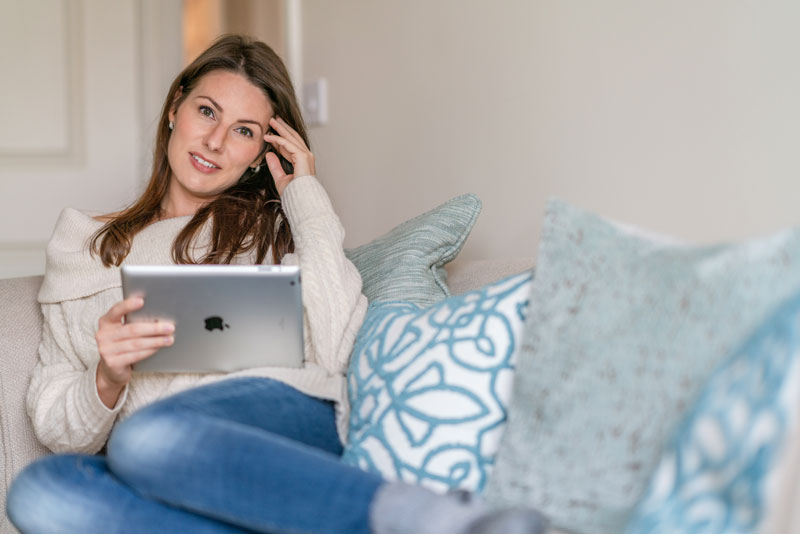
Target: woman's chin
{"type": "Point", "coordinates": [205, 190]}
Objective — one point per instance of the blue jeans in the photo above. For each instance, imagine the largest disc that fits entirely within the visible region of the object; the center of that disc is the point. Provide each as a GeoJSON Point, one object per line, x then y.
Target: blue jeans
{"type": "Point", "coordinates": [240, 455]}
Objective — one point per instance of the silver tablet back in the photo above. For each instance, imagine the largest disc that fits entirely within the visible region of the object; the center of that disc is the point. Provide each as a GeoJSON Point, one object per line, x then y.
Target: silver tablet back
{"type": "Point", "coordinates": [227, 317]}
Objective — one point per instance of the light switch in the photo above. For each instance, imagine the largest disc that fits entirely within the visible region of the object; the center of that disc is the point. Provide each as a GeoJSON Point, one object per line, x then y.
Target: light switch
{"type": "Point", "coordinates": [315, 102]}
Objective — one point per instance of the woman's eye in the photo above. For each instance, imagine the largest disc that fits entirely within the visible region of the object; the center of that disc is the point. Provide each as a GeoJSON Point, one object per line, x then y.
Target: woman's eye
{"type": "Point", "coordinates": [247, 132]}
{"type": "Point", "coordinates": [207, 111]}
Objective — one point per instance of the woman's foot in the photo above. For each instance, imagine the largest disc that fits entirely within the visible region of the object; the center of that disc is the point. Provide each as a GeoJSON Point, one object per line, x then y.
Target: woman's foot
{"type": "Point", "coordinates": [511, 521]}
{"type": "Point", "coordinates": [407, 509]}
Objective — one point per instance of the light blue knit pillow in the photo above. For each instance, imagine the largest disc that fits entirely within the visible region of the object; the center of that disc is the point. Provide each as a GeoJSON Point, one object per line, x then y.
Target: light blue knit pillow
{"type": "Point", "coordinates": [713, 476]}
{"type": "Point", "coordinates": [429, 386]}
{"type": "Point", "coordinates": [407, 263]}
{"type": "Point", "coordinates": [624, 330]}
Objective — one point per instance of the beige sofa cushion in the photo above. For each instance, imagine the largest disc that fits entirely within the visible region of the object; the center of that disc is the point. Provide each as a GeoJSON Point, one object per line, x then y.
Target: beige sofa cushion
{"type": "Point", "coordinates": [20, 331]}
{"type": "Point", "coordinates": [472, 274]}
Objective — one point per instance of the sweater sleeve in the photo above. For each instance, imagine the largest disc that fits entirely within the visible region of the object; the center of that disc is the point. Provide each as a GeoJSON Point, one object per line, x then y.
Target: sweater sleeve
{"type": "Point", "coordinates": [62, 402]}
{"type": "Point", "coordinates": [332, 300]}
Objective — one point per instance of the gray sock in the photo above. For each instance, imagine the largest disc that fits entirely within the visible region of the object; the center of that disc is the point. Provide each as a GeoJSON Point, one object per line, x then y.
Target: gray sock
{"type": "Point", "coordinates": [511, 521]}
{"type": "Point", "coordinates": [406, 509]}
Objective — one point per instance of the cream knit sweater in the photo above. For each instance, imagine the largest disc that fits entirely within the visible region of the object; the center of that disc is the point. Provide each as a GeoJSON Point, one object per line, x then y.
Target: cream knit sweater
{"type": "Point", "coordinates": [63, 403]}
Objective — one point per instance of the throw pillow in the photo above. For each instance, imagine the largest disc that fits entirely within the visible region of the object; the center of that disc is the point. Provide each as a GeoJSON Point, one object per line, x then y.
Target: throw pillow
{"type": "Point", "coordinates": [429, 386]}
{"type": "Point", "coordinates": [624, 330]}
{"type": "Point", "coordinates": [713, 476]}
{"type": "Point", "coordinates": [407, 263]}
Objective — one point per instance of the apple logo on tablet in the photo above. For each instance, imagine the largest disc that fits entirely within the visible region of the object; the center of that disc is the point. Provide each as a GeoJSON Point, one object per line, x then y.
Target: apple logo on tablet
{"type": "Point", "coordinates": [215, 323]}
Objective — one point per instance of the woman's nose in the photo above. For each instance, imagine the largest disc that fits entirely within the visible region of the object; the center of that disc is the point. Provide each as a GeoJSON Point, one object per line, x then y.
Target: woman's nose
{"type": "Point", "coordinates": [215, 138]}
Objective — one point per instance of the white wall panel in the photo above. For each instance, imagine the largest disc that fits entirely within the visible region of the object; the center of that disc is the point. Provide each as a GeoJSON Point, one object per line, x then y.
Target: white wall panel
{"type": "Point", "coordinates": [35, 70]}
{"type": "Point", "coordinates": [107, 77]}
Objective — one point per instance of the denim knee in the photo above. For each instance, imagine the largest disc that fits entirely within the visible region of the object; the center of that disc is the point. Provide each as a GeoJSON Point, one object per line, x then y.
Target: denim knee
{"type": "Point", "coordinates": [143, 448]}
{"type": "Point", "coordinates": [48, 495]}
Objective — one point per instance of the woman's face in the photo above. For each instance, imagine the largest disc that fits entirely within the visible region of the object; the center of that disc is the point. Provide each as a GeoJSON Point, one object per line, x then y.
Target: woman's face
{"type": "Point", "coordinates": [218, 132]}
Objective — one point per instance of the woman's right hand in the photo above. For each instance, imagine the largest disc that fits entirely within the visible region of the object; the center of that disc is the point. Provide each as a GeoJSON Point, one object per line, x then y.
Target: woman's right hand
{"type": "Point", "coordinates": [121, 345]}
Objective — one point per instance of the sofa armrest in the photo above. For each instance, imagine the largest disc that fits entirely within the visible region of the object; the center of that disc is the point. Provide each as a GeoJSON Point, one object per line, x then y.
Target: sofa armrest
{"type": "Point", "coordinates": [20, 332]}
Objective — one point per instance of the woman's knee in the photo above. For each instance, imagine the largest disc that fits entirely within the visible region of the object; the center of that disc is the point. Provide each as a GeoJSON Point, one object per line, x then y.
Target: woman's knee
{"type": "Point", "coordinates": [51, 495]}
{"type": "Point", "coordinates": [145, 446]}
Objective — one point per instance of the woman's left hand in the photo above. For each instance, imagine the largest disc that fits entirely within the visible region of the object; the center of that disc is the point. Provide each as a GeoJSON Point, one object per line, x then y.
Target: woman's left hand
{"type": "Point", "coordinates": [292, 147]}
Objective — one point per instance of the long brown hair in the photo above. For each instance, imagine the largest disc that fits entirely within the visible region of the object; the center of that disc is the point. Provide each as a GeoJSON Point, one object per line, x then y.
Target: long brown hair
{"type": "Point", "coordinates": [246, 216]}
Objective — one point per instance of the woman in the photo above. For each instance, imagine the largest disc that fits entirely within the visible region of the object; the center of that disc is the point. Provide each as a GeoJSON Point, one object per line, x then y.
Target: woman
{"type": "Point", "coordinates": [232, 182]}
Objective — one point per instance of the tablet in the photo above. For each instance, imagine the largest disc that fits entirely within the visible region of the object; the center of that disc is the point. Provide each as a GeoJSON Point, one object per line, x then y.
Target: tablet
{"type": "Point", "coordinates": [227, 317]}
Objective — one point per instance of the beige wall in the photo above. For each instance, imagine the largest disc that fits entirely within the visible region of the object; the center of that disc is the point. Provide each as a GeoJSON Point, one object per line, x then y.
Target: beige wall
{"type": "Point", "coordinates": [680, 116]}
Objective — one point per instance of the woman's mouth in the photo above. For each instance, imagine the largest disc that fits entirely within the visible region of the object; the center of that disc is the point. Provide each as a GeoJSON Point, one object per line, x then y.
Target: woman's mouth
{"type": "Point", "coordinates": [201, 164]}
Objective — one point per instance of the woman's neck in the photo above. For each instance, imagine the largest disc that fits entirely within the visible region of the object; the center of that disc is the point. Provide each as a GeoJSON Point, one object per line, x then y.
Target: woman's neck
{"type": "Point", "coordinates": [172, 208]}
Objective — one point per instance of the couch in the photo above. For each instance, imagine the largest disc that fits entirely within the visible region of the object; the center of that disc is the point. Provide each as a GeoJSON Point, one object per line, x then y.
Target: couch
{"type": "Point", "coordinates": [20, 330]}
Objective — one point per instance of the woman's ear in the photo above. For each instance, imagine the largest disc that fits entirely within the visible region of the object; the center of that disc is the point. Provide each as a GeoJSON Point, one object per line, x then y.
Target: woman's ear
{"type": "Point", "coordinates": [257, 163]}
{"type": "Point", "coordinates": [260, 158]}
{"type": "Point", "coordinates": [173, 108]}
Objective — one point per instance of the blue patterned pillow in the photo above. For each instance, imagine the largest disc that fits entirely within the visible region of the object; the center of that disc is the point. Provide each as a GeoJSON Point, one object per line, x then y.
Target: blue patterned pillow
{"type": "Point", "coordinates": [713, 476]}
{"type": "Point", "coordinates": [429, 386]}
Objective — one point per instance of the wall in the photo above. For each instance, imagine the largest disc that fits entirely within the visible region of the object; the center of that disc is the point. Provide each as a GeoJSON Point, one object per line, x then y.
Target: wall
{"type": "Point", "coordinates": [679, 116]}
{"type": "Point", "coordinates": [79, 85]}
{"type": "Point", "coordinates": [682, 116]}
{"type": "Point", "coordinates": [205, 20]}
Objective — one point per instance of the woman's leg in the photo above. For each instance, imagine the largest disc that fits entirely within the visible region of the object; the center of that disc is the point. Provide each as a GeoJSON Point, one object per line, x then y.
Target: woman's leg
{"type": "Point", "coordinates": [77, 494]}
{"type": "Point", "coordinates": [262, 403]}
{"type": "Point", "coordinates": [254, 453]}
{"type": "Point", "coordinates": [218, 452]}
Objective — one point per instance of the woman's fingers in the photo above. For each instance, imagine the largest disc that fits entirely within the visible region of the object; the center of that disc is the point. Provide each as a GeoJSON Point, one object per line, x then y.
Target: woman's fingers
{"type": "Point", "coordinates": [116, 341]}
{"type": "Point", "coordinates": [287, 148]}
{"type": "Point", "coordinates": [142, 329]}
{"type": "Point", "coordinates": [112, 350]}
{"type": "Point", "coordinates": [121, 345]}
{"type": "Point", "coordinates": [279, 176]}
{"type": "Point", "coordinates": [283, 128]}
{"type": "Point", "coordinates": [274, 165]}
{"type": "Point", "coordinates": [120, 309]}
{"type": "Point", "coordinates": [128, 346]}
{"type": "Point", "coordinates": [302, 160]}
{"type": "Point", "coordinates": [287, 138]}
{"type": "Point", "coordinates": [291, 146]}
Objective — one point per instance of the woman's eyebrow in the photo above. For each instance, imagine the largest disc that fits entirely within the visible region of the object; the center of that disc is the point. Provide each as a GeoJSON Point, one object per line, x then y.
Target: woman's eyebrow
{"type": "Point", "coordinates": [216, 105]}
